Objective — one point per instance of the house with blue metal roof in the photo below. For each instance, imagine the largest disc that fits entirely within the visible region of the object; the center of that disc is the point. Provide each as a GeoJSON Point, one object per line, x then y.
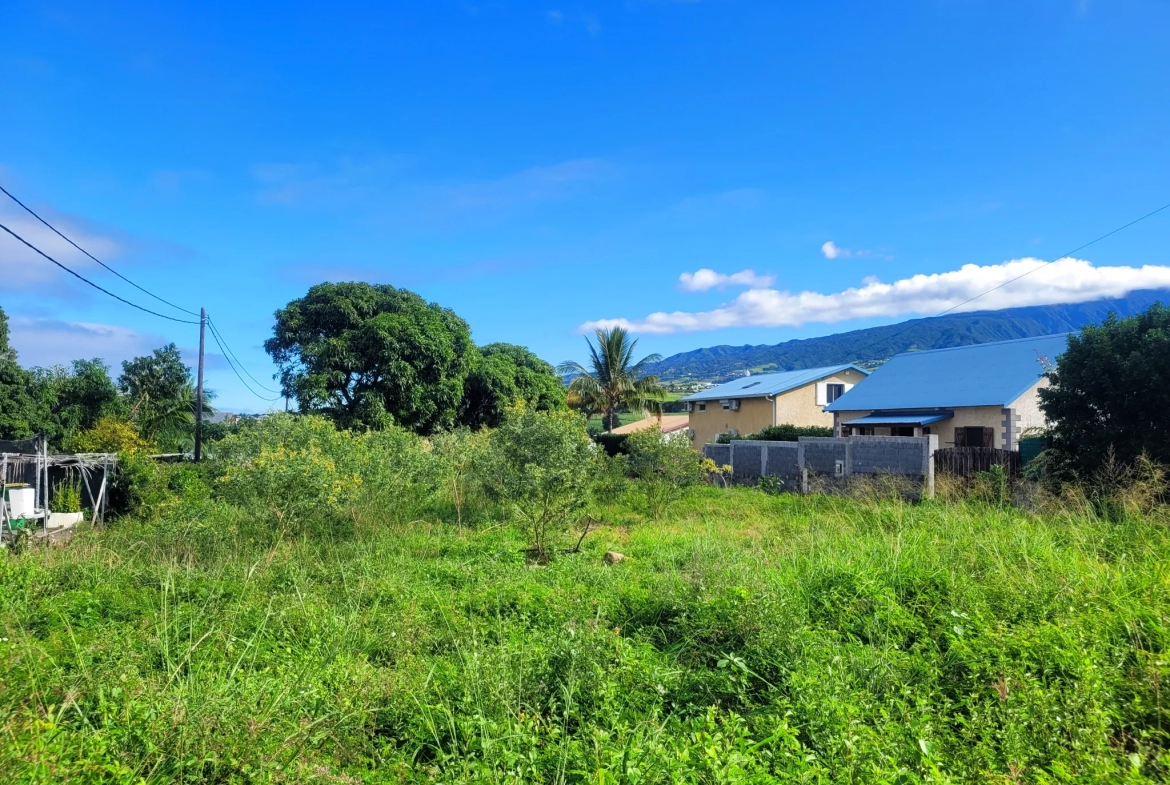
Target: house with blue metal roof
{"type": "Point", "coordinates": [751, 403]}
{"type": "Point", "coordinates": [984, 395]}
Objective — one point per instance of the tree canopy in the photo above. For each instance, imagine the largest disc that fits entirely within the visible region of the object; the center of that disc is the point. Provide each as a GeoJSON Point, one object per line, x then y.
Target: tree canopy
{"type": "Point", "coordinates": [613, 379]}
{"type": "Point", "coordinates": [161, 395]}
{"type": "Point", "coordinates": [1111, 390]}
{"type": "Point", "coordinates": [367, 355]}
{"type": "Point", "coordinates": [74, 399]}
{"type": "Point", "coordinates": [504, 374]}
{"type": "Point", "coordinates": [21, 414]}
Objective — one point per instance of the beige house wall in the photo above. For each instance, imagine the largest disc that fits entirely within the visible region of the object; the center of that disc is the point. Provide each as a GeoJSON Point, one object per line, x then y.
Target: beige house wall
{"type": "Point", "coordinates": [1027, 406]}
{"type": "Point", "coordinates": [753, 414]}
{"type": "Point", "coordinates": [794, 407]}
{"type": "Point", "coordinates": [965, 417]}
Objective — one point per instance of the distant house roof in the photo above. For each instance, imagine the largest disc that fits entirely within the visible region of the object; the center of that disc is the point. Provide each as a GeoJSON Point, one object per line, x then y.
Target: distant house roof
{"type": "Point", "coordinates": [985, 374]}
{"type": "Point", "coordinates": [670, 423]}
{"type": "Point", "coordinates": [769, 383]}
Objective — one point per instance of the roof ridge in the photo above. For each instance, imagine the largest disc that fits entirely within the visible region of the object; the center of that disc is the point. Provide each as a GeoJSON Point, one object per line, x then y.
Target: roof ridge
{"type": "Point", "coordinates": [985, 343]}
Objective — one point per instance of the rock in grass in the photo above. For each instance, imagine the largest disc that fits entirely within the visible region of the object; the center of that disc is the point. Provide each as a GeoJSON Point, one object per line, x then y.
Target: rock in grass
{"type": "Point", "coordinates": [613, 557]}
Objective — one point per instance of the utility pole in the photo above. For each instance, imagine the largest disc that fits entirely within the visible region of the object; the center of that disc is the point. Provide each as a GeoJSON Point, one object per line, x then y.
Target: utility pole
{"type": "Point", "coordinates": [199, 390]}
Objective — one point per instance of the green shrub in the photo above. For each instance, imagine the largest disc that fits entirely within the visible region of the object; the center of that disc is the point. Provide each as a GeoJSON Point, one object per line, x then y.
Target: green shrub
{"type": "Point", "coordinates": [289, 467]}
{"type": "Point", "coordinates": [664, 465]}
{"type": "Point", "coordinates": [542, 467]}
{"type": "Point", "coordinates": [457, 454]}
{"type": "Point", "coordinates": [613, 443]}
{"type": "Point", "coordinates": [779, 433]}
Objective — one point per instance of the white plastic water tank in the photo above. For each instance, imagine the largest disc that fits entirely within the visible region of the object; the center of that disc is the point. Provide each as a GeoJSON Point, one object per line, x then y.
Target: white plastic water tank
{"type": "Point", "coordinates": [21, 501]}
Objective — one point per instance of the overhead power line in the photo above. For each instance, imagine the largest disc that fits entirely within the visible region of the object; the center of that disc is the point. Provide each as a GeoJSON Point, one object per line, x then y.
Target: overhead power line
{"type": "Point", "coordinates": [54, 229]}
{"type": "Point", "coordinates": [81, 277]}
{"type": "Point", "coordinates": [227, 356]}
{"type": "Point", "coordinates": [224, 344]}
{"type": "Point", "coordinates": [1040, 266]}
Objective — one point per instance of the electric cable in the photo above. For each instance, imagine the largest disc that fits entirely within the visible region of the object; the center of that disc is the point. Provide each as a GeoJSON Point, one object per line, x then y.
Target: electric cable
{"type": "Point", "coordinates": [223, 342]}
{"type": "Point", "coordinates": [94, 285]}
{"type": "Point", "coordinates": [227, 357]}
{"type": "Point", "coordinates": [54, 229]}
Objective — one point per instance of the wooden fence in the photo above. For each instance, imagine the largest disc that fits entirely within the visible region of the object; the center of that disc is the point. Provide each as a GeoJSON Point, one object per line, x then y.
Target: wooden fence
{"type": "Point", "coordinates": [969, 461]}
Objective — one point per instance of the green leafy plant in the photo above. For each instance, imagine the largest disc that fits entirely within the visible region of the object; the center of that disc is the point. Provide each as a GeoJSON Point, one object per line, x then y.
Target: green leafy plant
{"type": "Point", "coordinates": [66, 496]}
{"type": "Point", "coordinates": [664, 466]}
{"type": "Point", "coordinates": [458, 453]}
{"type": "Point", "coordinates": [778, 433]}
{"type": "Point", "coordinates": [542, 467]}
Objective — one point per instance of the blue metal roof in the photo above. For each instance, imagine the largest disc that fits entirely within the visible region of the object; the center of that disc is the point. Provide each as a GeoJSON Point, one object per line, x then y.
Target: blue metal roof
{"type": "Point", "coordinates": [769, 383]}
{"type": "Point", "coordinates": [908, 418]}
{"type": "Point", "coordinates": [985, 374]}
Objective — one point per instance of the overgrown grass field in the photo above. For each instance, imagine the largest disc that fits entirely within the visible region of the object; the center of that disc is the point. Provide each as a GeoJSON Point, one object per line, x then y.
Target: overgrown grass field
{"type": "Point", "coordinates": [744, 638]}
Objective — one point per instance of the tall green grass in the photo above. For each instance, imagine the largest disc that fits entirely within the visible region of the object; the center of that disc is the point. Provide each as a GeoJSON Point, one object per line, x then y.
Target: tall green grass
{"type": "Point", "coordinates": [745, 638]}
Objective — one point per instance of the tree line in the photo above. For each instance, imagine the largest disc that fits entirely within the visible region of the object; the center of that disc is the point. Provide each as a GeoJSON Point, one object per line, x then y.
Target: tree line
{"type": "Point", "coordinates": [365, 356]}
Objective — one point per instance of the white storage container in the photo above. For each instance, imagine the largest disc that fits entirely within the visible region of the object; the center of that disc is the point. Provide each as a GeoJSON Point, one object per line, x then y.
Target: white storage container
{"type": "Point", "coordinates": [21, 502]}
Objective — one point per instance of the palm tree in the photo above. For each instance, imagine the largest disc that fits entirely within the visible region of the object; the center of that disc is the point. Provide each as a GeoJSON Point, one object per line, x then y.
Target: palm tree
{"type": "Point", "coordinates": [170, 422]}
{"type": "Point", "coordinates": [613, 379]}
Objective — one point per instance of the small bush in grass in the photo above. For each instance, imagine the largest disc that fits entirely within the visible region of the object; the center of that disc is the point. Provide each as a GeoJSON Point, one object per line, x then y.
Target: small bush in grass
{"type": "Point", "coordinates": [542, 467]}
{"type": "Point", "coordinates": [457, 453]}
{"type": "Point", "coordinates": [664, 466]}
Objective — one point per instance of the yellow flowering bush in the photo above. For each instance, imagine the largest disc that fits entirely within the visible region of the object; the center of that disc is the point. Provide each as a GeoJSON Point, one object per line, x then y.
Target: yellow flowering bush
{"type": "Point", "coordinates": [109, 434]}
{"type": "Point", "coordinates": [290, 466]}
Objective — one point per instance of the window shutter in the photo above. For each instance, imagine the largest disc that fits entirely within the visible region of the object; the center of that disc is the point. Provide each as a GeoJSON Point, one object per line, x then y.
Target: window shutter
{"type": "Point", "coordinates": [822, 394]}
{"type": "Point", "coordinates": [960, 437]}
{"type": "Point", "coordinates": [988, 437]}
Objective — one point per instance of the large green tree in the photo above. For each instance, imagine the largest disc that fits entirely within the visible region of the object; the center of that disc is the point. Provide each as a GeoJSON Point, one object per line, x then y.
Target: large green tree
{"type": "Point", "coordinates": [22, 413]}
{"type": "Point", "coordinates": [503, 375]}
{"type": "Point", "coordinates": [613, 380]}
{"type": "Point", "coordinates": [1111, 390]}
{"type": "Point", "coordinates": [366, 355]}
{"type": "Point", "coordinates": [75, 398]}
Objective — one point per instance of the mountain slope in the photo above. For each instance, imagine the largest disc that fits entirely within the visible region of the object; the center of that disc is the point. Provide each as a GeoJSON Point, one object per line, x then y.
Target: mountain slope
{"type": "Point", "coordinates": [875, 344]}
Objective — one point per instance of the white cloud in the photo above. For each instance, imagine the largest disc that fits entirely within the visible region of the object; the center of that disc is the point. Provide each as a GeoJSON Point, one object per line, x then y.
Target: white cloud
{"type": "Point", "coordinates": [706, 278]}
{"type": "Point", "coordinates": [22, 268]}
{"type": "Point", "coordinates": [49, 342]}
{"type": "Point", "coordinates": [1063, 281]}
{"type": "Point", "coordinates": [832, 251]}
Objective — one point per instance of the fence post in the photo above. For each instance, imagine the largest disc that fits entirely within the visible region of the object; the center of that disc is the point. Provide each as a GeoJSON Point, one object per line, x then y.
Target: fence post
{"type": "Point", "coordinates": [929, 448]}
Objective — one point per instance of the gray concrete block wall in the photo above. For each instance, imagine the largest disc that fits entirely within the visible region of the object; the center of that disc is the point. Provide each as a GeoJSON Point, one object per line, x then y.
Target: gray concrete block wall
{"type": "Point", "coordinates": [835, 457]}
{"type": "Point", "coordinates": [894, 454]}
{"type": "Point", "coordinates": [781, 459]}
{"type": "Point", "coordinates": [819, 454]}
{"type": "Point", "coordinates": [720, 453]}
{"type": "Point", "coordinates": [747, 461]}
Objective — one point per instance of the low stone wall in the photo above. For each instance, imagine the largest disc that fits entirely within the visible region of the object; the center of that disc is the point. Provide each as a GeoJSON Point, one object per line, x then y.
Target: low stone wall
{"type": "Point", "coordinates": [837, 458]}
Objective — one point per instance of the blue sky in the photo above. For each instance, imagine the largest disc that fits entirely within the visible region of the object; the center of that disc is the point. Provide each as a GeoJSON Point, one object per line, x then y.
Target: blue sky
{"type": "Point", "coordinates": [539, 167]}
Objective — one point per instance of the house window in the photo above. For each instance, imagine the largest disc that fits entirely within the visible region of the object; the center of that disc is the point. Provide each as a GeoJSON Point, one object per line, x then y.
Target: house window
{"type": "Point", "coordinates": [834, 391]}
{"type": "Point", "coordinates": [702, 407]}
{"type": "Point", "coordinates": [974, 436]}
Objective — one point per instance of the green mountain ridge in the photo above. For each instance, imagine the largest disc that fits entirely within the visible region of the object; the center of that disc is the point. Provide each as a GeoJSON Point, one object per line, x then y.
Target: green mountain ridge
{"type": "Point", "coordinates": [873, 345]}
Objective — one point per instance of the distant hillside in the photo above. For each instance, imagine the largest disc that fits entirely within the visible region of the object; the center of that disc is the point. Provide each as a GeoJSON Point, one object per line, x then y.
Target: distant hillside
{"type": "Point", "coordinates": [875, 344]}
